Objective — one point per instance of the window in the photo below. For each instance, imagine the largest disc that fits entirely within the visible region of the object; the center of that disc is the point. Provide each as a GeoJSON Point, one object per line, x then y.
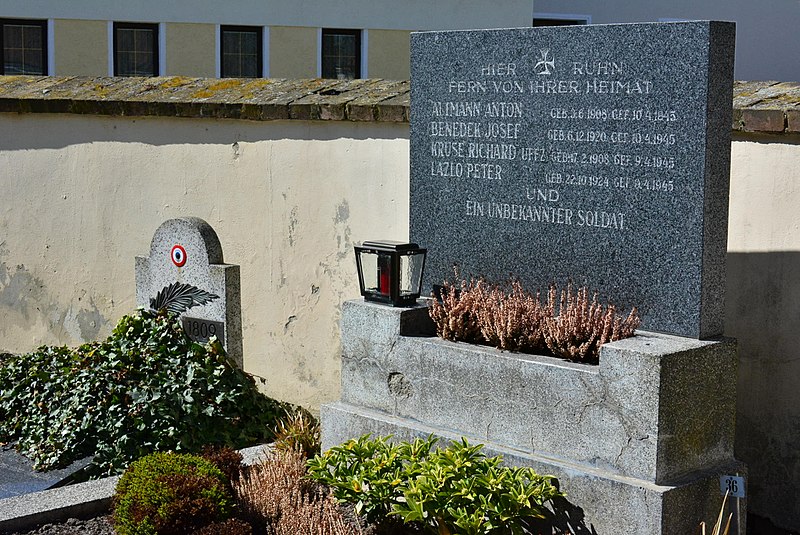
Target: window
{"type": "Point", "coordinates": [135, 49]}
{"type": "Point", "coordinates": [341, 54]}
{"type": "Point", "coordinates": [558, 19]}
{"type": "Point", "coordinates": [242, 52]}
{"type": "Point", "coordinates": [24, 46]}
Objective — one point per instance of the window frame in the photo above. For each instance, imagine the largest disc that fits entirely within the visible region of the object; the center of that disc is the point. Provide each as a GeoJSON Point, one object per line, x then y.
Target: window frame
{"type": "Point", "coordinates": [258, 30]}
{"type": "Point", "coordinates": [359, 52]}
{"type": "Point", "coordinates": [43, 24]}
{"type": "Point", "coordinates": [154, 27]}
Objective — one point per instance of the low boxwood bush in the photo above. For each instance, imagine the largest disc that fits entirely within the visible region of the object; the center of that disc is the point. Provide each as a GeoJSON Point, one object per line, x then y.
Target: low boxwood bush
{"type": "Point", "coordinates": [451, 490]}
{"type": "Point", "coordinates": [146, 388]}
{"type": "Point", "coordinates": [168, 493]}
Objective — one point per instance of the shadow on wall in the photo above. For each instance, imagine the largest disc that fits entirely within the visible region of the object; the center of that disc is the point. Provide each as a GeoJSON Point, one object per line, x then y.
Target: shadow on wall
{"type": "Point", "coordinates": [160, 131]}
{"type": "Point", "coordinates": [763, 313]}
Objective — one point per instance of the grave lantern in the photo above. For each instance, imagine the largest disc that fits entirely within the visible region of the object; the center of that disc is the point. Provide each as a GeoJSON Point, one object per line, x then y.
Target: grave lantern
{"type": "Point", "coordinates": [390, 272]}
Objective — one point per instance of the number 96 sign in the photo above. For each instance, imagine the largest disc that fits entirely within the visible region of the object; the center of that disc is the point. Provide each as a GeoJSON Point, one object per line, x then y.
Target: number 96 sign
{"type": "Point", "coordinates": [733, 485]}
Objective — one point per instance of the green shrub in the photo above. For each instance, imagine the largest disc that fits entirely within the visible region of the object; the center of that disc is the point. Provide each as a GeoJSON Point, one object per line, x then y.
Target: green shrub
{"type": "Point", "coordinates": [456, 489]}
{"type": "Point", "coordinates": [146, 388]}
{"type": "Point", "coordinates": [368, 473]}
{"type": "Point", "coordinates": [170, 494]}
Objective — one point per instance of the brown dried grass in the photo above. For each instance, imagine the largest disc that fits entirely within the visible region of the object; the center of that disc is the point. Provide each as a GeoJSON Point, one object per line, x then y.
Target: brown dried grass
{"type": "Point", "coordinates": [568, 324]}
{"type": "Point", "coordinates": [298, 430]}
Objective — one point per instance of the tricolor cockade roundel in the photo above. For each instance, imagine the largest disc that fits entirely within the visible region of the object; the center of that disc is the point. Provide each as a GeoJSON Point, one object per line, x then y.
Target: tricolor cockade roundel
{"type": "Point", "coordinates": [178, 255]}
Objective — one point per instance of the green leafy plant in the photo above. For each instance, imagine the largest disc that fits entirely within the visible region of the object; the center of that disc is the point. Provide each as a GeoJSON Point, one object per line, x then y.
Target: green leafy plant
{"type": "Point", "coordinates": [146, 388]}
{"type": "Point", "coordinates": [460, 490]}
{"type": "Point", "coordinates": [366, 472]}
{"type": "Point", "coordinates": [168, 493]}
{"type": "Point", "coordinates": [450, 490]}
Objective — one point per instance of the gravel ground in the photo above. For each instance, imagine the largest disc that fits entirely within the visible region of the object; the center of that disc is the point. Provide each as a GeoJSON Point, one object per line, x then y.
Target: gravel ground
{"type": "Point", "coordinates": [95, 526]}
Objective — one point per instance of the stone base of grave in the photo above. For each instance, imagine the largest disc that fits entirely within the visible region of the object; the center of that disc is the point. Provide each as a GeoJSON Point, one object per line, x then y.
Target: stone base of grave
{"type": "Point", "coordinates": [599, 501]}
{"type": "Point", "coordinates": [638, 443]}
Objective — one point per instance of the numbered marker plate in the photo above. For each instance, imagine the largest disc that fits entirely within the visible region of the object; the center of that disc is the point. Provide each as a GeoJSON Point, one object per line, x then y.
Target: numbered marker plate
{"type": "Point", "coordinates": [200, 330]}
{"type": "Point", "coordinates": [732, 484]}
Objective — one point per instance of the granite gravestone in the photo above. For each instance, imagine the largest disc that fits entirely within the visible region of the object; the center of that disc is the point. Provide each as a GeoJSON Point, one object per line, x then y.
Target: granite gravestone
{"type": "Point", "coordinates": [187, 250]}
{"type": "Point", "coordinates": [597, 154]}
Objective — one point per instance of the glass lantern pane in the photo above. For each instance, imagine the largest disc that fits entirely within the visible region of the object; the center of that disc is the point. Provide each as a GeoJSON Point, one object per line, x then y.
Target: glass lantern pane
{"type": "Point", "coordinates": [410, 273]}
{"type": "Point", "coordinates": [369, 270]}
{"type": "Point", "coordinates": [376, 269]}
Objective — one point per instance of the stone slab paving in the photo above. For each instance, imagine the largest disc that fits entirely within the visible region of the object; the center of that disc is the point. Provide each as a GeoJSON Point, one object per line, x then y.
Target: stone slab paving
{"type": "Point", "coordinates": [81, 500]}
{"type": "Point", "coordinates": [17, 475]}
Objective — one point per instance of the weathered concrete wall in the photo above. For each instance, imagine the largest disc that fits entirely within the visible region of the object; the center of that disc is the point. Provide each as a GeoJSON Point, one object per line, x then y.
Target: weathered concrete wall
{"type": "Point", "coordinates": [82, 195]}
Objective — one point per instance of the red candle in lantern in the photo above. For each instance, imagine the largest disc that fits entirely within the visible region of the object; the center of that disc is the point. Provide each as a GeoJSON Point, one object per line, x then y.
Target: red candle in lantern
{"type": "Point", "coordinates": [384, 274]}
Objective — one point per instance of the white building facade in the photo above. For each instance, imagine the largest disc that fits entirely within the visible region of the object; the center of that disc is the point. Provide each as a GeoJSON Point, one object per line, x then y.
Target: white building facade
{"type": "Point", "coordinates": [767, 40]}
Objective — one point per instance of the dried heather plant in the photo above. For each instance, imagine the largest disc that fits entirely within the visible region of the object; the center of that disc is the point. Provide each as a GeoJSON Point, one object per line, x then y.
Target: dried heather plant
{"type": "Point", "coordinates": [569, 324]}
{"type": "Point", "coordinates": [583, 325]}
{"type": "Point", "coordinates": [275, 498]}
{"type": "Point", "coordinates": [262, 486]}
{"type": "Point", "coordinates": [511, 319]}
{"type": "Point", "coordinates": [455, 316]}
{"type": "Point", "coordinates": [314, 515]}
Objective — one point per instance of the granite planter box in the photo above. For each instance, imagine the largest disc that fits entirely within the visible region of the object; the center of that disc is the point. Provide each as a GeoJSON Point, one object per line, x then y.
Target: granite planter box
{"type": "Point", "coordinates": [638, 443]}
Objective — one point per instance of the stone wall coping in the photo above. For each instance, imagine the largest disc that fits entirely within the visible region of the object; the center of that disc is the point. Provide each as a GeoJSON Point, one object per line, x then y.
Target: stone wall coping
{"type": "Point", "coordinates": [262, 99]}
{"type": "Point", "coordinates": [766, 107]}
{"type": "Point", "coordinates": [758, 107]}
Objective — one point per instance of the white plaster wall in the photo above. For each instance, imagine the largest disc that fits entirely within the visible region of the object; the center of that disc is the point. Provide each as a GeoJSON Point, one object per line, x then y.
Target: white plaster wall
{"type": "Point", "coordinates": [81, 196]}
{"type": "Point", "coordinates": [767, 39]}
{"type": "Point", "coordinates": [763, 313]}
{"type": "Point", "coordinates": [386, 14]}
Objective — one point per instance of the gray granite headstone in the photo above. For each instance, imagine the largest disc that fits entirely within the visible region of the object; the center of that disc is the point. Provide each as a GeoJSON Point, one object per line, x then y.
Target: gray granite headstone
{"type": "Point", "coordinates": [187, 250]}
{"type": "Point", "coordinates": [597, 154]}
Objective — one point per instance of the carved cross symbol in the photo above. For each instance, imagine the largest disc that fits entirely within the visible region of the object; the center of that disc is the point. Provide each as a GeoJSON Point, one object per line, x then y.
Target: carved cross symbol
{"type": "Point", "coordinates": [546, 62]}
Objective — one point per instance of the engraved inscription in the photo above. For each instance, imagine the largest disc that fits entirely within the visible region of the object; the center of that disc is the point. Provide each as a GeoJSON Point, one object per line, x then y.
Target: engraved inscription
{"type": "Point", "coordinates": [488, 129]}
{"type": "Point", "coordinates": [201, 330]}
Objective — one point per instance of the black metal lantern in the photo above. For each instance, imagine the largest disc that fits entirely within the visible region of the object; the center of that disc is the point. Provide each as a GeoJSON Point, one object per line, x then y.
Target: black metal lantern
{"type": "Point", "coordinates": [390, 272]}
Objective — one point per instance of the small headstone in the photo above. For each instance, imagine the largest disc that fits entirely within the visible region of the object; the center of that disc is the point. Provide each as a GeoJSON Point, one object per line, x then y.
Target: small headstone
{"type": "Point", "coordinates": [597, 154]}
{"type": "Point", "coordinates": [187, 250]}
